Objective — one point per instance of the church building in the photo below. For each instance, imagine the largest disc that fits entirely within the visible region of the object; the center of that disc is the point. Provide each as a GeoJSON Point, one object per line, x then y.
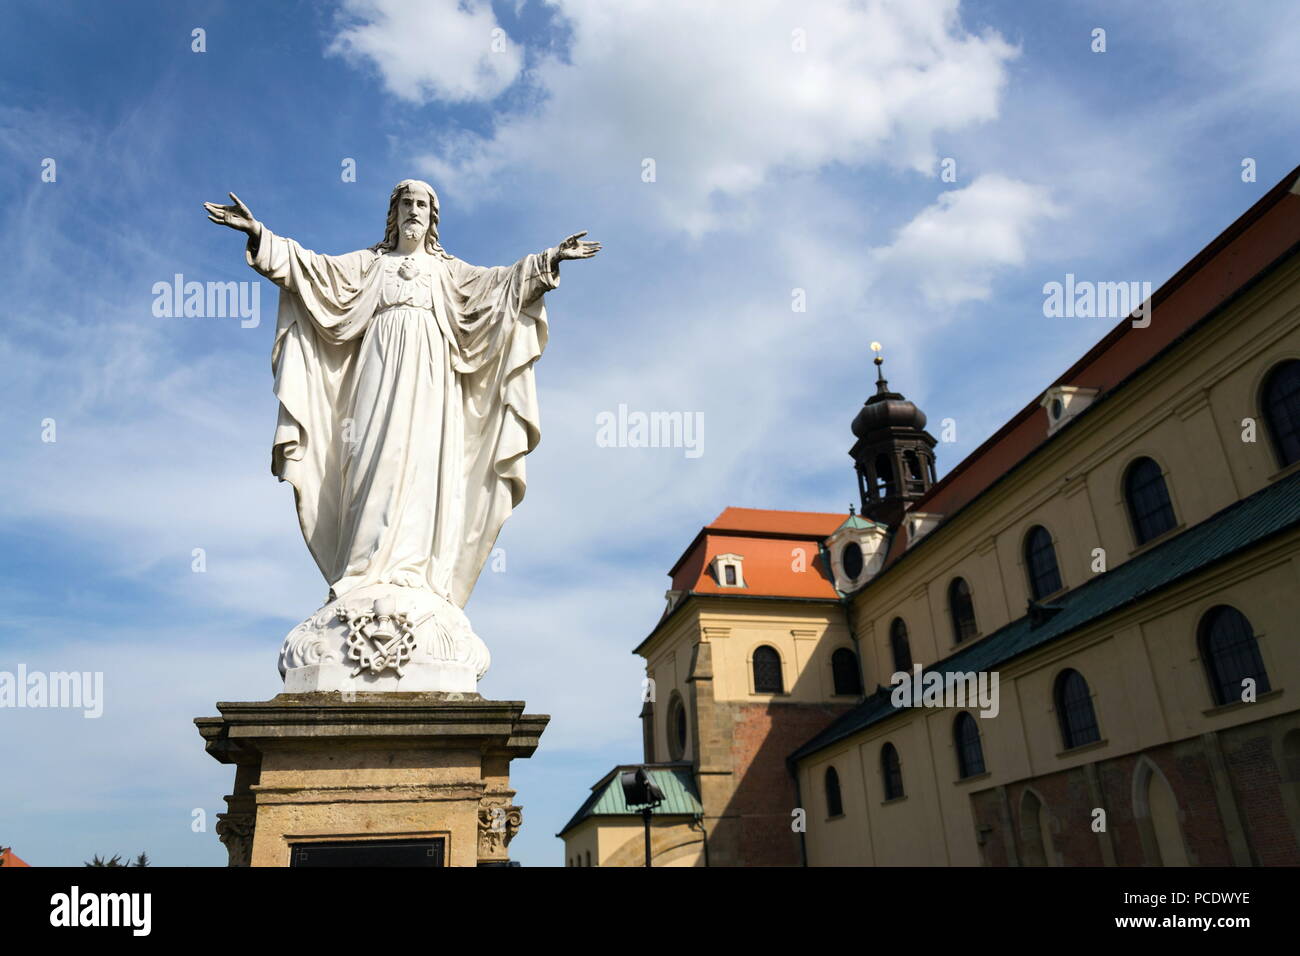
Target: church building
{"type": "Point", "coordinates": [1076, 648]}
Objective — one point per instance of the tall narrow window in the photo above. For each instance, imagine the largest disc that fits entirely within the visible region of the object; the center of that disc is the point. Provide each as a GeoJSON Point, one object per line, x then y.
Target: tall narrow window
{"type": "Point", "coordinates": [1074, 710]}
{"type": "Point", "coordinates": [915, 476]}
{"type": "Point", "coordinates": [962, 609]}
{"type": "Point", "coordinates": [767, 671]}
{"type": "Point", "coordinates": [677, 730]}
{"type": "Point", "coordinates": [913, 466]}
{"type": "Point", "coordinates": [966, 740]}
{"type": "Point", "coordinates": [845, 673]}
{"type": "Point", "coordinates": [1231, 654]}
{"type": "Point", "coordinates": [1040, 562]}
{"type": "Point", "coordinates": [1281, 401]}
{"type": "Point", "coordinates": [884, 477]}
{"type": "Point", "coordinates": [834, 803]}
{"type": "Point", "coordinates": [1149, 507]}
{"type": "Point", "coordinates": [898, 643]}
{"type": "Point", "coordinates": [892, 772]}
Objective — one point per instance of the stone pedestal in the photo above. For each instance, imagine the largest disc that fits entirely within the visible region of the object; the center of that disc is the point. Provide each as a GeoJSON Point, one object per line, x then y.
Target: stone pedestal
{"type": "Point", "coordinates": [329, 768]}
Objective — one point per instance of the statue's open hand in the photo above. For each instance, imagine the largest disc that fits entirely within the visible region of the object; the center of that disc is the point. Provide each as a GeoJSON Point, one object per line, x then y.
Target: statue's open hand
{"type": "Point", "coordinates": [576, 248]}
{"type": "Point", "coordinates": [237, 216]}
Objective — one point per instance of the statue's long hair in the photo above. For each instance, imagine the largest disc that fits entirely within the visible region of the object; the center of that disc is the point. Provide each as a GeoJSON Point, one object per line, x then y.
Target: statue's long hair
{"type": "Point", "coordinates": [431, 244]}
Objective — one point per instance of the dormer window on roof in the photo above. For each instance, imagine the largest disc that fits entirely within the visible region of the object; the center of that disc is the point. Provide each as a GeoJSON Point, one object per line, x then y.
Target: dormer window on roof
{"type": "Point", "coordinates": [1063, 402]}
{"type": "Point", "coordinates": [857, 552]}
{"type": "Point", "coordinates": [919, 524]}
{"type": "Point", "coordinates": [728, 570]}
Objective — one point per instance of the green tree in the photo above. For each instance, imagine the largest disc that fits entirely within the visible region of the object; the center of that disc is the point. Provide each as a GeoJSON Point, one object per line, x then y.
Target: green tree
{"type": "Point", "coordinates": [116, 860]}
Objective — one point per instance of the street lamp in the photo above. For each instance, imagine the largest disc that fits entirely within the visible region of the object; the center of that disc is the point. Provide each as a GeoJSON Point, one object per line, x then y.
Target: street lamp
{"type": "Point", "coordinates": [640, 791]}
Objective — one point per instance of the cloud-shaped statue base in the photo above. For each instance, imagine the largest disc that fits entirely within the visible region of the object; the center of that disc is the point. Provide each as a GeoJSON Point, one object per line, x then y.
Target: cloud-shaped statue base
{"type": "Point", "coordinates": [384, 638]}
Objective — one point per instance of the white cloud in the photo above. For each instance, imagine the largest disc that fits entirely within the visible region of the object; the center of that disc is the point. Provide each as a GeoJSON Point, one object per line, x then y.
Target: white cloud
{"type": "Point", "coordinates": [450, 50]}
{"type": "Point", "coordinates": [720, 102]}
{"type": "Point", "coordinates": [953, 248]}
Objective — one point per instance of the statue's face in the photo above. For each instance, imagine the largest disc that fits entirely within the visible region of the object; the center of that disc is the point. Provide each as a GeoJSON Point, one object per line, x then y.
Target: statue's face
{"type": "Point", "coordinates": [414, 210]}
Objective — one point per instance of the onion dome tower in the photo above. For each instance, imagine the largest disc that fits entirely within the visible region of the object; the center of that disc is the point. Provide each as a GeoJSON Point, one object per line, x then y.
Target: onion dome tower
{"type": "Point", "coordinates": [893, 454]}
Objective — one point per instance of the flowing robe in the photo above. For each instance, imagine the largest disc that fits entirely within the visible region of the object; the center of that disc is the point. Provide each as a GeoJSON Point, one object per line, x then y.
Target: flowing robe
{"type": "Point", "coordinates": [406, 407]}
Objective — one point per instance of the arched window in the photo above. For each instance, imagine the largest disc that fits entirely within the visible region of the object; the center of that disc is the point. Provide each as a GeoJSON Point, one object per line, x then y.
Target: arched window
{"type": "Point", "coordinates": [1040, 562]}
{"type": "Point", "coordinates": [899, 645]}
{"type": "Point", "coordinates": [966, 738]}
{"type": "Point", "coordinates": [913, 466]}
{"type": "Point", "coordinates": [962, 609]}
{"type": "Point", "coordinates": [767, 671]}
{"type": "Point", "coordinates": [1148, 500]}
{"type": "Point", "coordinates": [677, 730]}
{"type": "Point", "coordinates": [834, 803]}
{"type": "Point", "coordinates": [1074, 710]}
{"type": "Point", "coordinates": [1281, 401]}
{"type": "Point", "coordinates": [845, 673]}
{"type": "Point", "coordinates": [892, 772]}
{"type": "Point", "coordinates": [884, 477]}
{"type": "Point", "coordinates": [915, 478]}
{"type": "Point", "coordinates": [1230, 654]}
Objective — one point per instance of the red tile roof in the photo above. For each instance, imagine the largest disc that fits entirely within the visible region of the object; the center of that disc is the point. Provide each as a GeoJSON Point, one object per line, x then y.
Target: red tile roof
{"type": "Point", "coordinates": [818, 523]}
{"type": "Point", "coordinates": [775, 545]}
{"type": "Point", "coordinates": [9, 858]}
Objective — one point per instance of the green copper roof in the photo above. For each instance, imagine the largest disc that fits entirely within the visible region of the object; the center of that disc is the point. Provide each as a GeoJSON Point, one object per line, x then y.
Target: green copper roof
{"type": "Point", "coordinates": [857, 521]}
{"type": "Point", "coordinates": [675, 780]}
{"type": "Point", "coordinates": [1241, 525]}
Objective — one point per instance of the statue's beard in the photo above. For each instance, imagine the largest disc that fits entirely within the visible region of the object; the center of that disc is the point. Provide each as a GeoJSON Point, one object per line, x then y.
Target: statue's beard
{"type": "Point", "coordinates": [411, 231]}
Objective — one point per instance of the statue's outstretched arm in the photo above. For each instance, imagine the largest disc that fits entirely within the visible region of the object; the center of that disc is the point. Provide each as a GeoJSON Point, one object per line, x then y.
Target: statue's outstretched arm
{"type": "Point", "coordinates": [237, 216]}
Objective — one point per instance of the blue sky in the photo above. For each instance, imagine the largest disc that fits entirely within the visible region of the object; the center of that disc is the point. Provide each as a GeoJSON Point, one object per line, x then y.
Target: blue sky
{"type": "Point", "coordinates": [776, 170]}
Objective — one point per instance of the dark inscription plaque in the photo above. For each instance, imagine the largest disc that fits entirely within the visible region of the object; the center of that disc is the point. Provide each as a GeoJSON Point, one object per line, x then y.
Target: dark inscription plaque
{"type": "Point", "coordinates": [368, 853]}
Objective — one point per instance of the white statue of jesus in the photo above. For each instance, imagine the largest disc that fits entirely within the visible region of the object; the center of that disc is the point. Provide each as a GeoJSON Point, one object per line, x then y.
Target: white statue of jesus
{"type": "Point", "coordinates": [407, 405]}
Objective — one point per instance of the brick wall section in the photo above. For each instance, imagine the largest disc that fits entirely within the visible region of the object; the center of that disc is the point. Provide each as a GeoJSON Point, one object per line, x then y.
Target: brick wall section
{"type": "Point", "coordinates": [987, 809]}
{"type": "Point", "coordinates": [763, 735]}
{"type": "Point", "coordinates": [1069, 806]}
{"type": "Point", "coordinates": [1187, 768]}
{"type": "Point", "coordinates": [1117, 787]}
{"type": "Point", "coordinates": [1256, 783]}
